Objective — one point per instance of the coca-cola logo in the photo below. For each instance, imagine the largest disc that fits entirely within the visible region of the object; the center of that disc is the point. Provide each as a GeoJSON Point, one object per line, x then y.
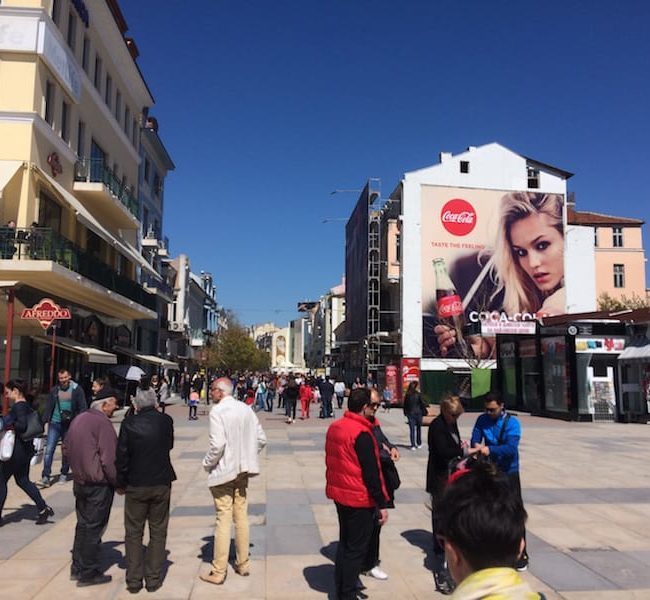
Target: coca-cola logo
{"type": "Point", "coordinates": [450, 306]}
{"type": "Point", "coordinates": [458, 217]}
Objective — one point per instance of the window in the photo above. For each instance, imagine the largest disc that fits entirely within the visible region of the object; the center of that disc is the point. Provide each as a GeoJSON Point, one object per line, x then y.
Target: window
{"type": "Point", "coordinates": [49, 213]}
{"type": "Point", "coordinates": [157, 187]}
{"type": "Point", "coordinates": [596, 237]}
{"type": "Point", "coordinates": [619, 276]}
{"type": "Point", "coordinates": [617, 237]}
{"type": "Point", "coordinates": [56, 10]}
{"type": "Point", "coordinates": [464, 166]}
{"type": "Point", "coordinates": [533, 178]}
{"type": "Point", "coordinates": [72, 31]}
{"type": "Point", "coordinates": [115, 169]}
{"type": "Point", "coordinates": [65, 121]}
{"type": "Point", "coordinates": [98, 73]}
{"type": "Point", "coordinates": [118, 105]}
{"type": "Point", "coordinates": [147, 170]}
{"type": "Point", "coordinates": [145, 221]}
{"type": "Point", "coordinates": [81, 139]}
{"type": "Point", "coordinates": [127, 121]}
{"type": "Point", "coordinates": [135, 134]}
{"type": "Point", "coordinates": [49, 102]}
{"type": "Point", "coordinates": [85, 54]}
{"type": "Point", "coordinates": [108, 92]}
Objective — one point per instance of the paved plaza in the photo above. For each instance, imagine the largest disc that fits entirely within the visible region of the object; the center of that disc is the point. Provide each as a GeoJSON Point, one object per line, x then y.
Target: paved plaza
{"type": "Point", "coordinates": [586, 487]}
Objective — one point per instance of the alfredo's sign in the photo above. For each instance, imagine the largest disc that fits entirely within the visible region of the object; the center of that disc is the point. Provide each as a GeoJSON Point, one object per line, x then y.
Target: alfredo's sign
{"type": "Point", "coordinates": [45, 312]}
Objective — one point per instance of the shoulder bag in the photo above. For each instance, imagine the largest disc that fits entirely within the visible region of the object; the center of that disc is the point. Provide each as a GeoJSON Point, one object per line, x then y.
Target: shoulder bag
{"type": "Point", "coordinates": [34, 427]}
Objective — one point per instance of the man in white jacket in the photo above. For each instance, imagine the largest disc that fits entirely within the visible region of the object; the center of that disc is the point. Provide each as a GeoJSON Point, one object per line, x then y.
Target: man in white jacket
{"type": "Point", "coordinates": [236, 439]}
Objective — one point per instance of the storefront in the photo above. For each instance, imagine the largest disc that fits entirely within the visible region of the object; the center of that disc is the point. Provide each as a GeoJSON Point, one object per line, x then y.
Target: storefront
{"type": "Point", "coordinates": [634, 377]}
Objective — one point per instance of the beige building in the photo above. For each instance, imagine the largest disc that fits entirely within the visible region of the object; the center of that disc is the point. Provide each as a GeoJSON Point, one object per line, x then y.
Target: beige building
{"type": "Point", "coordinates": [619, 254]}
{"type": "Point", "coordinates": [71, 100]}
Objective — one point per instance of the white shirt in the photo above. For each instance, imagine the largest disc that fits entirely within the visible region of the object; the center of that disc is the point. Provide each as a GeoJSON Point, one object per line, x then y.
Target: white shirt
{"type": "Point", "coordinates": [236, 439]}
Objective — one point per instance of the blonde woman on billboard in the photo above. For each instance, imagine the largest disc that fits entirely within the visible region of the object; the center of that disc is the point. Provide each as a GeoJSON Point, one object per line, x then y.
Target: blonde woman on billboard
{"type": "Point", "coordinates": [527, 265]}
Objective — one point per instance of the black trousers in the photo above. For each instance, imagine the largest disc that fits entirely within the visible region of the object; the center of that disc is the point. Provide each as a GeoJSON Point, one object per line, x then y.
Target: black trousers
{"type": "Point", "coordinates": [18, 468]}
{"type": "Point", "coordinates": [372, 556]}
{"type": "Point", "coordinates": [355, 532]}
{"type": "Point", "coordinates": [93, 507]}
{"type": "Point", "coordinates": [142, 504]}
{"type": "Point", "coordinates": [515, 483]}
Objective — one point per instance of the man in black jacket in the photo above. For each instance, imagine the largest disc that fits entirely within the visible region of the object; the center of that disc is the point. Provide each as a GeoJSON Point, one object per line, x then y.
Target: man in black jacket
{"type": "Point", "coordinates": [64, 403]}
{"type": "Point", "coordinates": [145, 475]}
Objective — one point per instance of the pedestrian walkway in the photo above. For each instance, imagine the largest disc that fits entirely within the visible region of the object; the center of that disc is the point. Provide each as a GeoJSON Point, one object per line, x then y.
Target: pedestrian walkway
{"type": "Point", "coordinates": [586, 487]}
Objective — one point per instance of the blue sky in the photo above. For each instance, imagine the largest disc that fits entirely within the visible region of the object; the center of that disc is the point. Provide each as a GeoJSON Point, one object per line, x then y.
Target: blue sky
{"type": "Point", "coordinates": [267, 106]}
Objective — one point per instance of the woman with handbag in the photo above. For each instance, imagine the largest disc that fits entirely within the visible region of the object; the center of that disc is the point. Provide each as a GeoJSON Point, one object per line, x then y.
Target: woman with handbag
{"type": "Point", "coordinates": [388, 456]}
{"type": "Point", "coordinates": [444, 446]}
{"type": "Point", "coordinates": [21, 420]}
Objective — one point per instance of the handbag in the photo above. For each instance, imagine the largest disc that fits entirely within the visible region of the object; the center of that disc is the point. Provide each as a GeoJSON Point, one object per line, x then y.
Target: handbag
{"type": "Point", "coordinates": [7, 445]}
{"type": "Point", "coordinates": [34, 427]}
{"type": "Point", "coordinates": [390, 473]}
{"type": "Point", "coordinates": [66, 415]}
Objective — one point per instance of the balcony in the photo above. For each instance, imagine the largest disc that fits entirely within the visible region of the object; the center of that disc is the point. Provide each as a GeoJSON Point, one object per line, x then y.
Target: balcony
{"type": "Point", "coordinates": [40, 244]}
{"type": "Point", "coordinates": [156, 286]}
{"type": "Point", "coordinates": [100, 189]}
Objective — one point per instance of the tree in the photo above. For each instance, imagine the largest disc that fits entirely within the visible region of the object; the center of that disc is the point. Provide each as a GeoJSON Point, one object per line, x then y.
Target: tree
{"type": "Point", "coordinates": [234, 350]}
{"type": "Point", "coordinates": [607, 302]}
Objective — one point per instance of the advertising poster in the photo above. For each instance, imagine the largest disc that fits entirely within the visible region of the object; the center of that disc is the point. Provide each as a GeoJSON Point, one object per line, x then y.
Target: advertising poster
{"type": "Point", "coordinates": [489, 259]}
{"type": "Point", "coordinates": [410, 372]}
{"type": "Point", "coordinates": [392, 383]}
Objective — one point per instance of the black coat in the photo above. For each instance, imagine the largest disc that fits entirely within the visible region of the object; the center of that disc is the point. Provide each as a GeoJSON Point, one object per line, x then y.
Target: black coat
{"type": "Point", "coordinates": [413, 405]}
{"type": "Point", "coordinates": [442, 448]}
{"type": "Point", "coordinates": [143, 447]}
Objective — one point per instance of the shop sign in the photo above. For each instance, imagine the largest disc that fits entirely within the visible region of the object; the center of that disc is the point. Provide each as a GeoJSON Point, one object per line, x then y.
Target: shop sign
{"type": "Point", "coordinates": [600, 345]}
{"type": "Point", "coordinates": [490, 327]}
{"type": "Point", "coordinates": [45, 312]}
{"type": "Point", "coordinates": [410, 371]}
{"type": "Point", "coordinates": [391, 382]}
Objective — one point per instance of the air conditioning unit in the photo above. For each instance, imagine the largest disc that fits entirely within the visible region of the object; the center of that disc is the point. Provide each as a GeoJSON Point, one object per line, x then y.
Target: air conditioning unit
{"type": "Point", "coordinates": [176, 326]}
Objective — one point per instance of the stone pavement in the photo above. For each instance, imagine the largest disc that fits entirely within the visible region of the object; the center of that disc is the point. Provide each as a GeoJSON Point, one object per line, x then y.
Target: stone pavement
{"type": "Point", "coordinates": [586, 486]}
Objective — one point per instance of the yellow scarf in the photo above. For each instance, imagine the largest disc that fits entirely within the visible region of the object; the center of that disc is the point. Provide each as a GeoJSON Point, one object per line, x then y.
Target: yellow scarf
{"type": "Point", "coordinates": [494, 584]}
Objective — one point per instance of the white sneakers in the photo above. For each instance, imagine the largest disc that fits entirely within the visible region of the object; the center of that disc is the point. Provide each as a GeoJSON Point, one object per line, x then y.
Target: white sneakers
{"type": "Point", "coordinates": [377, 573]}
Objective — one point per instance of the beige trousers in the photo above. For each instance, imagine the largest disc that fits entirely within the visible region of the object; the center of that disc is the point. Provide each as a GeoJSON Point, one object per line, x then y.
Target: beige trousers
{"type": "Point", "coordinates": [231, 504]}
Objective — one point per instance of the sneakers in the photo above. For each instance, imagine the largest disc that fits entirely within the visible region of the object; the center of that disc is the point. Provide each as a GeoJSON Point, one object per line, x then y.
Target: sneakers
{"type": "Point", "coordinates": [46, 482]}
{"type": "Point", "coordinates": [521, 564]}
{"type": "Point", "coordinates": [213, 577]}
{"type": "Point", "coordinates": [43, 515]}
{"type": "Point", "coordinates": [413, 448]}
{"type": "Point", "coordinates": [97, 579]}
{"type": "Point", "coordinates": [419, 446]}
{"type": "Point", "coordinates": [63, 478]}
{"type": "Point", "coordinates": [377, 573]}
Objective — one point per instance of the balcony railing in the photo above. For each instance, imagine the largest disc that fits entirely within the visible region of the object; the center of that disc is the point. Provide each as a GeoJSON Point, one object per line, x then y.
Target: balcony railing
{"type": "Point", "coordinates": [163, 286]}
{"type": "Point", "coordinates": [42, 243]}
{"type": "Point", "coordinates": [94, 170]}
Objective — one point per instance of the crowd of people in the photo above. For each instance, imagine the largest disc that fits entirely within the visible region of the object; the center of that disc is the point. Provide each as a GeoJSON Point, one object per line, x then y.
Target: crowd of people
{"type": "Point", "coordinates": [477, 512]}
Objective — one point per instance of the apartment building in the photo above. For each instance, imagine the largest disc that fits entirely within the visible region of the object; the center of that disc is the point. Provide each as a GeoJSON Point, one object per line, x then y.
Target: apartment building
{"type": "Point", "coordinates": [71, 103]}
{"type": "Point", "coordinates": [619, 255]}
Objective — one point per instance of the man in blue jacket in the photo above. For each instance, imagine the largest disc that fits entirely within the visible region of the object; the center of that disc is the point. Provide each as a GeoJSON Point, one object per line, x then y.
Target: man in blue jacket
{"type": "Point", "coordinates": [497, 434]}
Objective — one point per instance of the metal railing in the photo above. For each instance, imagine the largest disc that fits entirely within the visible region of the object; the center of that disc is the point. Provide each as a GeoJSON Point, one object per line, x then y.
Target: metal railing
{"type": "Point", "coordinates": [161, 285]}
{"type": "Point", "coordinates": [42, 243]}
{"type": "Point", "coordinates": [94, 170]}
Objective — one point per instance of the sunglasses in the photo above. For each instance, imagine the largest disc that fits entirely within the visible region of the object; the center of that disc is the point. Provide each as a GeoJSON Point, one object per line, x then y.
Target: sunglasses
{"type": "Point", "coordinates": [374, 405]}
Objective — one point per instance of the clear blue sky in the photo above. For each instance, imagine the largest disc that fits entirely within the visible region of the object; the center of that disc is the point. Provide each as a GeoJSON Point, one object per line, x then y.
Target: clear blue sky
{"type": "Point", "coordinates": [267, 106]}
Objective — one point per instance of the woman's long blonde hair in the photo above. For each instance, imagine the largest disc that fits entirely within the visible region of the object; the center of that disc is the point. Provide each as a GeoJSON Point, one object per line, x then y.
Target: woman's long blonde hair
{"type": "Point", "coordinates": [520, 292]}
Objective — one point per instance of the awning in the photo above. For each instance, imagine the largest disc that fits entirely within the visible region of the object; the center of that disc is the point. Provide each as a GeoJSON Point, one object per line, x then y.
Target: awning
{"type": "Point", "coordinates": [640, 353]}
{"type": "Point", "coordinates": [8, 168]}
{"type": "Point", "coordinates": [94, 355]}
{"type": "Point", "coordinates": [166, 364]}
{"type": "Point", "coordinates": [94, 225]}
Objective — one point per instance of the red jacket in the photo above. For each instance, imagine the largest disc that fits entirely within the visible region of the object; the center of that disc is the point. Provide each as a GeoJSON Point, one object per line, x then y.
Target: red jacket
{"type": "Point", "coordinates": [306, 393]}
{"type": "Point", "coordinates": [345, 483]}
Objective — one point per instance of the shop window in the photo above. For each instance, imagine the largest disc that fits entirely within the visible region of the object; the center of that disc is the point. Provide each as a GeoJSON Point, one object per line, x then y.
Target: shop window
{"type": "Point", "coordinates": [619, 276]}
{"type": "Point", "coordinates": [617, 237]}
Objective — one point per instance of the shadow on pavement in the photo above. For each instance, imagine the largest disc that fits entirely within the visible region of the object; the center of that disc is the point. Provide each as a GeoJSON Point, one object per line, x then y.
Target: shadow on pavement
{"type": "Point", "coordinates": [421, 538]}
{"type": "Point", "coordinates": [27, 512]}
{"type": "Point", "coordinates": [207, 550]}
{"type": "Point", "coordinates": [320, 578]}
{"type": "Point", "coordinates": [112, 556]}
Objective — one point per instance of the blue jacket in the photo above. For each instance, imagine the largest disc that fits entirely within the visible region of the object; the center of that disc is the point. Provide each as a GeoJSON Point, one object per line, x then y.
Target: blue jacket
{"type": "Point", "coordinates": [505, 455]}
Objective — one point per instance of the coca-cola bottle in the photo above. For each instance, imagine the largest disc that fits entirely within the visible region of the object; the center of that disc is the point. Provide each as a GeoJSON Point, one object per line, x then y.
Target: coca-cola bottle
{"type": "Point", "coordinates": [449, 304]}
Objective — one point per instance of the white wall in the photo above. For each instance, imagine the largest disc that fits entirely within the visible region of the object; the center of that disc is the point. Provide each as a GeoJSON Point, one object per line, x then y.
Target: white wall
{"type": "Point", "coordinates": [580, 269]}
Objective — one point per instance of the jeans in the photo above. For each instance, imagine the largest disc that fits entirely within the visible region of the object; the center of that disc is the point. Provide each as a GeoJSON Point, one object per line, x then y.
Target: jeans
{"type": "Point", "coordinates": [193, 408]}
{"type": "Point", "coordinates": [290, 406]}
{"type": "Point", "coordinates": [339, 400]}
{"type": "Point", "coordinates": [355, 532]}
{"type": "Point", "coordinates": [55, 432]}
{"type": "Point", "coordinates": [231, 504]}
{"type": "Point", "coordinates": [142, 504]}
{"type": "Point", "coordinates": [260, 400]}
{"type": "Point", "coordinates": [20, 472]}
{"type": "Point", "coordinates": [269, 401]}
{"type": "Point", "coordinates": [415, 429]}
{"type": "Point", "coordinates": [93, 507]}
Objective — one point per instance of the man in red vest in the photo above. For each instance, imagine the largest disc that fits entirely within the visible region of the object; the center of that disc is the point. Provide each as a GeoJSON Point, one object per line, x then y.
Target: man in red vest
{"type": "Point", "coordinates": [356, 484]}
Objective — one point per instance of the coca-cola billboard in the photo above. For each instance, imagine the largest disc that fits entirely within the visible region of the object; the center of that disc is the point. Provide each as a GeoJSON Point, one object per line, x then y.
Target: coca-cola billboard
{"type": "Point", "coordinates": [499, 260]}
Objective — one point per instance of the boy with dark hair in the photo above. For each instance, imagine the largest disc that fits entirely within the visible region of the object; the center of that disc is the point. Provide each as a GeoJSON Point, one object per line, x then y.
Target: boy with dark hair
{"type": "Point", "coordinates": [481, 523]}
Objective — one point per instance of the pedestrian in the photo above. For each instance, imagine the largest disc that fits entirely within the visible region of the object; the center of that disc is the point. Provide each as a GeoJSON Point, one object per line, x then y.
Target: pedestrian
{"type": "Point", "coordinates": [236, 438]}
{"type": "Point", "coordinates": [65, 401]}
{"type": "Point", "coordinates": [482, 525]}
{"type": "Point", "coordinates": [193, 403]}
{"type": "Point", "coordinates": [387, 399]}
{"type": "Point", "coordinates": [163, 393]}
{"type": "Point", "coordinates": [291, 394]}
{"type": "Point", "coordinates": [97, 385]}
{"type": "Point", "coordinates": [339, 390]}
{"type": "Point", "coordinates": [185, 387]}
{"type": "Point", "coordinates": [444, 445]}
{"type": "Point", "coordinates": [388, 456]}
{"type": "Point", "coordinates": [260, 395]}
{"type": "Point", "coordinates": [356, 485]}
{"type": "Point", "coordinates": [90, 447]}
{"type": "Point", "coordinates": [497, 434]}
{"type": "Point", "coordinates": [306, 394]}
{"type": "Point", "coordinates": [414, 410]}
{"type": "Point", "coordinates": [144, 476]}
{"type": "Point", "coordinates": [326, 388]}
{"type": "Point", "coordinates": [18, 465]}
{"type": "Point", "coordinates": [270, 395]}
